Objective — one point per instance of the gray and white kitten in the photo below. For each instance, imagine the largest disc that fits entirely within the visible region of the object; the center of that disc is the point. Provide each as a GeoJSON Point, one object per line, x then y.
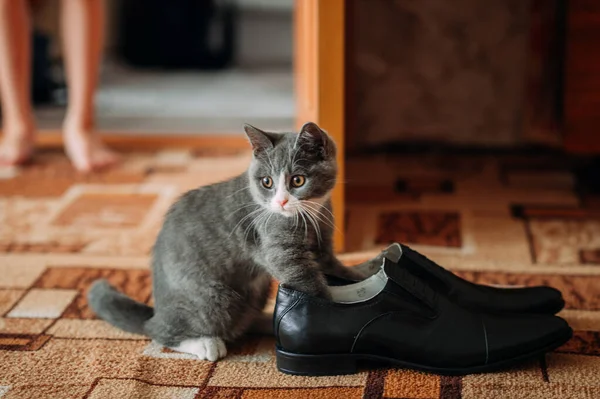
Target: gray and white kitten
{"type": "Point", "coordinates": [220, 245]}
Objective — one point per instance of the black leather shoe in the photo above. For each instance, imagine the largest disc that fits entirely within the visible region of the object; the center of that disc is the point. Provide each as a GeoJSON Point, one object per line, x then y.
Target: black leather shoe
{"type": "Point", "coordinates": [540, 299]}
{"type": "Point", "coordinates": [396, 318]}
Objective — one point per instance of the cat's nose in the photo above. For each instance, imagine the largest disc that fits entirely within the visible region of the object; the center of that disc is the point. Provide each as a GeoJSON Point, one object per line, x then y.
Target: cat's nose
{"type": "Point", "coordinates": [283, 202]}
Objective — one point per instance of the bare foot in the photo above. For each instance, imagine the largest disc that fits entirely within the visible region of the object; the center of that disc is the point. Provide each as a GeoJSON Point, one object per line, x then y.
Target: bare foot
{"type": "Point", "coordinates": [87, 152]}
{"type": "Point", "coordinates": [16, 147]}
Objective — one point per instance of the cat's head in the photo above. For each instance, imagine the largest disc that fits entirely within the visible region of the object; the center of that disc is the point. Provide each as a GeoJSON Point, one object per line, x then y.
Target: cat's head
{"type": "Point", "coordinates": [291, 171]}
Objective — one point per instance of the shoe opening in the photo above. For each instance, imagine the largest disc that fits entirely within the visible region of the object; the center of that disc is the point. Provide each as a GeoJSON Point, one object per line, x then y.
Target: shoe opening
{"type": "Point", "coordinates": [361, 291]}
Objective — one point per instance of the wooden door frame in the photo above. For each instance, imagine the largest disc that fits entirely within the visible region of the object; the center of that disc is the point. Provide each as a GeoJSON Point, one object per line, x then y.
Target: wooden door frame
{"type": "Point", "coordinates": [582, 78]}
{"type": "Point", "coordinates": [319, 70]}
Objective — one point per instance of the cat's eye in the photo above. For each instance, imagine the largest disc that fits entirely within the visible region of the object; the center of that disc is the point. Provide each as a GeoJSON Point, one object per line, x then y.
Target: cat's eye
{"type": "Point", "coordinates": [267, 182]}
{"type": "Point", "coordinates": [298, 181]}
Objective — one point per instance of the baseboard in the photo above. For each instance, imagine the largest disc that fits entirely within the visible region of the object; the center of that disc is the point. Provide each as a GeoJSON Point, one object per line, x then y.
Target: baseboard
{"type": "Point", "coordinates": [141, 142]}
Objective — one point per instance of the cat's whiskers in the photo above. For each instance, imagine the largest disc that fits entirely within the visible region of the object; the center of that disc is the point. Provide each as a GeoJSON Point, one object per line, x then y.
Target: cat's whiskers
{"type": "Point", "coordinates": [319, 218]}
{"type": "Point", "coordinates": [319, 205]}
{"type": "Point", "coordinates": [262, 223]}
{"type": "Point", "coordinates": [252, 223]}
{"type": "Point", "coordinates": [243, 219]}
{"type": "Point", "coordinates": [305, 223]}
{"type": "Point", "coordinates": [237, 191]}
{"type": "Point", "coordinates": [315, 206]}
{"type": "Point", "coordinates": [242, 207]}
{"type": "Point", "coordinates": [329, 221]}
{"type": "Point", "coordinates": [266, 222]}
{"type": "Point", "coordinates": [296, 218]}
{"type": "Point", "coordinates": [315, 224]}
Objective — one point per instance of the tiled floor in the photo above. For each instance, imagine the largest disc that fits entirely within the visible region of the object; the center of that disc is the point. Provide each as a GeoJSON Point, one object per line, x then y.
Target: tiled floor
{"type": "Point", "coordinates": [501, 220]}
{"type": "Point", "coordinates": [152, 102]}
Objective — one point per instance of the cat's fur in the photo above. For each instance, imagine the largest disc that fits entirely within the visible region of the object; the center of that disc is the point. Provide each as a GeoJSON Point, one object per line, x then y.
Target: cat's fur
{"type": "Point", "coordinates": [220, 244]}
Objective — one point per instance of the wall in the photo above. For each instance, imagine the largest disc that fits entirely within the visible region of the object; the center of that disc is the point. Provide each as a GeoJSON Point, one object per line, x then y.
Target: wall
{"type": "Point", "coordinates": [438, 70]}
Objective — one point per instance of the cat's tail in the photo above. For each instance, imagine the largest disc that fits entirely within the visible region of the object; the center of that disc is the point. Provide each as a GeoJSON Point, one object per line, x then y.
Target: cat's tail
{"type": "Point", "coordinates": [117, 308]}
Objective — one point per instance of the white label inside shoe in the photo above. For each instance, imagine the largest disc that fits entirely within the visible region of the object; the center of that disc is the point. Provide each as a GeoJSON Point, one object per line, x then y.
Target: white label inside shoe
{"type": "Point", "coordinates": [361, 291]}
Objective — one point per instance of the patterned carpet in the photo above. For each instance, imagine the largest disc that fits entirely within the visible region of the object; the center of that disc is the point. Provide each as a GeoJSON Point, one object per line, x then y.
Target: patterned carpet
{"type": "Point", "coordinates": [505, 220]}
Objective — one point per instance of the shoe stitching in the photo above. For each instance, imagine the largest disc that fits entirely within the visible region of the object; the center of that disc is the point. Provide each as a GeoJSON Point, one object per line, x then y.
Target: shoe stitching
{"type": "Point", "coordinates": [278, 321]}
{"type": "Point", "coordinates": [487, 348]}
{"type": "Point", "coordinates": [365, 326]}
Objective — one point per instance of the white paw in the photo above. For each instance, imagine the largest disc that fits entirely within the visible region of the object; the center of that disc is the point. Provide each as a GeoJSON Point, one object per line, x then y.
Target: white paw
{"type": "Point", "coordinates": [206, 348]}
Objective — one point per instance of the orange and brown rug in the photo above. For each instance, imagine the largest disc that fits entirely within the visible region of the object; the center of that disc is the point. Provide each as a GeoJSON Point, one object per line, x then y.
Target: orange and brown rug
{"type": "Point", "coordinates": [503, 220]}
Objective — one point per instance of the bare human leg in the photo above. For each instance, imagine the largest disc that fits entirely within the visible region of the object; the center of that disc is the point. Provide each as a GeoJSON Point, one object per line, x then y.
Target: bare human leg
{"type": "Point", "coordinates": [15, 65]}
{"type": "Point", "coordinates": [83, 38]}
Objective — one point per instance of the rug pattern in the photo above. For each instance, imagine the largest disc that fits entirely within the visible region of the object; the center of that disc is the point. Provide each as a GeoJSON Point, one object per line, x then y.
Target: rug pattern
{"type": "Point", "coordinates": [496, 220]}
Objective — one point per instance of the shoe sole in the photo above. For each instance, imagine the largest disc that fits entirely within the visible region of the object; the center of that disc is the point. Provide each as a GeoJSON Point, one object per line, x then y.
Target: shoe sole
{"type": "Point", "coordinates": [340, 364]}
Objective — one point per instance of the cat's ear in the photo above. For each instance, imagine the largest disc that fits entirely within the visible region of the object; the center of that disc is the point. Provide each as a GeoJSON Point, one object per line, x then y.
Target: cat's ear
{"type": "Point", "coordinates": [316, 138]}
{"type": "Point", "coordinates": [259, 139]}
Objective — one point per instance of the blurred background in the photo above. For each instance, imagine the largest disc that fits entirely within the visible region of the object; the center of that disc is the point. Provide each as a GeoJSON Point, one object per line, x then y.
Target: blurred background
{"type": "Point", "coordinates": [483, 73]}
{"type": "Point", "coordinates": [470, 73]}
{"type": "Point", "coordinates": [180, 66]}
{"type": "Point", "coordinates": [388, 79]}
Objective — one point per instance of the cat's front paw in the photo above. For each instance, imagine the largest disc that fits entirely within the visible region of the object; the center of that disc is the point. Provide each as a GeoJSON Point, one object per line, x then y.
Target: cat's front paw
{"type": "Point", "coordinates": [205, 348]}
